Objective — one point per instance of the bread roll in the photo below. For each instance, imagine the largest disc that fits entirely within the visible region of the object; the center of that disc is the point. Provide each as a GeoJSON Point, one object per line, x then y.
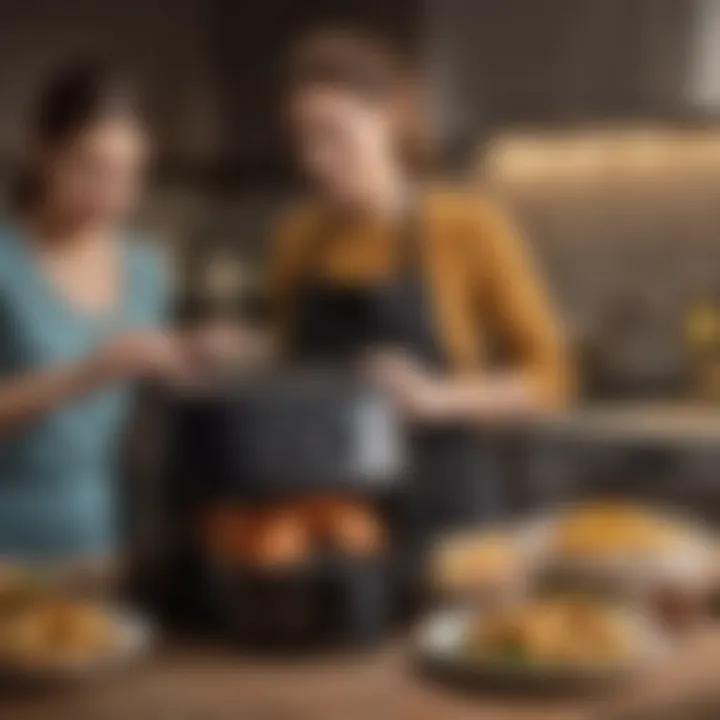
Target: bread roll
{"type": "Point", "coordinates": [278, 538]}
{"type": "Point", "coordinates": [346, 524]}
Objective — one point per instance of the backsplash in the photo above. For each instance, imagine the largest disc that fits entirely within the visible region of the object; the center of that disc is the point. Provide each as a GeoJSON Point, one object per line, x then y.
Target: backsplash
{"type": "Point", "coordinates": [627, 227]}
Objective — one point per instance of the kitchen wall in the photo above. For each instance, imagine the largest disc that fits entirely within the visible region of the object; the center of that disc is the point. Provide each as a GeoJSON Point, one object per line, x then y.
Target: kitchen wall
{"type": "Point", "coordinates": [626, 224]}
{"type": "Point", "coordinates": [596, 122]}
{"type": "Point", "coordinates": [165, 41]}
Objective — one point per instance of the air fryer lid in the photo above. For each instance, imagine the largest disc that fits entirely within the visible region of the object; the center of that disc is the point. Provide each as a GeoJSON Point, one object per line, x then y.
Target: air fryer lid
{"type": "Point", "coordinates": [290, 432]}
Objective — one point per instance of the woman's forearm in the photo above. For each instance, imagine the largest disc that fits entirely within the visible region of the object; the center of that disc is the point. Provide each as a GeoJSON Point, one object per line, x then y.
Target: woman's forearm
{"type": "Point", "coordinates": [127, 356]}
{"type": "Point", "coordinates": [438, 398]}
{"type": "Point", "coordinates": [27, 396]}
{"type": "Point", "coordinates": [496, 397]}
{"type": "Point", "coordinates": [218, 345]}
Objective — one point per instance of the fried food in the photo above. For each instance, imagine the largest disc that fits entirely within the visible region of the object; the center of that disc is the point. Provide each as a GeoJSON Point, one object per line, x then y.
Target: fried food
{"type": "Point", "coordinates": [53, 630]}
{"type": "Point", "coordinates": [607, 530]}
{"type": "Point", "coordinates": [226, 530]}
{"type": "Point", "coordinates": [553, 631]}
{"type": "Point", "coordinates": [346, 524]}
{"type": "Point", "coordinates": [290, 532]}
{"type": "Point", "coordinates": [358, 531]}
{"type": "Point", "coordinates": [43, 628]}
{"type": "Point", "coordinates": [277, 538]}
{"type": "Point", "coordinates": [470, 561]}
{"type": "Point", "coordinates": [17, 588]}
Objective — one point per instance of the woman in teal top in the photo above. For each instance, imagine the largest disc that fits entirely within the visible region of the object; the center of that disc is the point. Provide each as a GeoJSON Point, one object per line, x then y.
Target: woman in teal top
{"type": "Point", "coordinates": [80, 310]}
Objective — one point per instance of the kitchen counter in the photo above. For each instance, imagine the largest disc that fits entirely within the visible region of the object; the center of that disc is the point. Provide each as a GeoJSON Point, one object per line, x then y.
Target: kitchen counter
{"type": "Point", "coordinates": [195, 682]}
{"type": "Point", "coordinates": [666, 422]}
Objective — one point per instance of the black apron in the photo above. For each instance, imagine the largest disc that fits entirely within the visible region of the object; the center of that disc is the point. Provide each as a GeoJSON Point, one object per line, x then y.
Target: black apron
{"type": "Point", "coordinates": [453, 478]}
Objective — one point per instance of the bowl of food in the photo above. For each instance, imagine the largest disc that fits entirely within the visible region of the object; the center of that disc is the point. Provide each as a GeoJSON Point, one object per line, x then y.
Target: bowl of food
{"type": "Point", "coordinates": [558, 643]}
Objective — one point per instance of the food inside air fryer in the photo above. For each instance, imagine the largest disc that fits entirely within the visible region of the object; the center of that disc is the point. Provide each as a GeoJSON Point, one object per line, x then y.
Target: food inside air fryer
{"type": "Point", "coordinates": [357, 530]}
{"type": "Point", "coordinates": [554, 631]}
{"type": "Point", "coordinates": [257, 536]}
{"type": "Point", "coordinates": [345, 524]}
{"type": "Point", "coordinates": [278, 538]}
{"type": "Point", "coordinates": [226, 532]}
{"type": "Point", "coordinates": [292, 532]}
{"type": "Point", "coordinates": [612, 529]}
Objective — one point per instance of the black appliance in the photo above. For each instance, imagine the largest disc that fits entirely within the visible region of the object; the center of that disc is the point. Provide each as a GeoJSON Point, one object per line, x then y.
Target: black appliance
{"type": "Point", "coordinates": [279, 434]}
{"type": "Point", "coordinates": [273, 437]}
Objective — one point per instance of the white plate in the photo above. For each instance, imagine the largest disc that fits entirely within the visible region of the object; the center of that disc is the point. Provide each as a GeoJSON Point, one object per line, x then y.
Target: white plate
{"type": "Point", "coordinates": [440, 646]}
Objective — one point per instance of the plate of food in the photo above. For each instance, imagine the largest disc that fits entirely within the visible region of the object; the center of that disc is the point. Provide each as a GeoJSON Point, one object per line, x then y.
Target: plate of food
{"type": "Point", "coordinates": [48, 636]}
{"type": "Point", "coordinates": [563, 643]}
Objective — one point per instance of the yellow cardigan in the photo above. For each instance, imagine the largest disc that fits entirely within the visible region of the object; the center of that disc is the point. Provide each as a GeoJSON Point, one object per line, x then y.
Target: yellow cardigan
{"type": "Point", "coordinates": [483, 286]}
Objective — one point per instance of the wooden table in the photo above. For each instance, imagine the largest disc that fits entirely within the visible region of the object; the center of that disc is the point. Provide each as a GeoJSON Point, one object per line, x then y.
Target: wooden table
{"type": "Point", "coordinates": [192, 682]}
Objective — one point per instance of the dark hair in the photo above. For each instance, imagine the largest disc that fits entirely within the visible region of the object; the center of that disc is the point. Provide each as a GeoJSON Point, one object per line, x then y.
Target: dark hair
{"type": "Point", "coordinates": [72, 99]}
{"type": "Point", "coordinates": [370, 66]}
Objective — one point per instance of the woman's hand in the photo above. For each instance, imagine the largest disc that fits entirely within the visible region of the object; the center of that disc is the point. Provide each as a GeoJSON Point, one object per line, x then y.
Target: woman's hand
{"type": "Point", "coordinates": [419, 394]}
{"type": "Point", "coordinates": [136, 354]}
{"type": "Point", "coordinates": [184, 358]}
{"type": "Point", "coordinates": [127, 356]}
{"type": "Point", "coordinates": [222, 344]}
{"type": "Point", "coordinates": [474, 398]}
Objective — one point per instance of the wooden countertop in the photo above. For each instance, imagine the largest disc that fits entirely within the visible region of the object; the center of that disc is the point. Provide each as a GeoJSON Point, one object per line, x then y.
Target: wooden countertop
{"type": "Point", "coordinates": [192, 682]}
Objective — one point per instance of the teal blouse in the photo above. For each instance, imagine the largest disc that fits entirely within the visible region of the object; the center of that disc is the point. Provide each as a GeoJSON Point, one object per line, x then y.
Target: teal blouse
{"type": "Point", "coordinates": [58, 497]}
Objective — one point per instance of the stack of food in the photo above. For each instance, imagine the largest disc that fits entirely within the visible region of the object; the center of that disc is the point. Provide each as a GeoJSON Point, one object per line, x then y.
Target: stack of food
{"type": "Point", "coordinates": [600, 532]}
{"type": "Point", "coordinates": [620, 543]}
{"type": "Point", "coordinates": [666, 562]}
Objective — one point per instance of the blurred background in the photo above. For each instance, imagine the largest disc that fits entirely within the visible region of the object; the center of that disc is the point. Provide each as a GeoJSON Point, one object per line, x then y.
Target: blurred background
{"type": "Point", "coordinates": [596, 121]}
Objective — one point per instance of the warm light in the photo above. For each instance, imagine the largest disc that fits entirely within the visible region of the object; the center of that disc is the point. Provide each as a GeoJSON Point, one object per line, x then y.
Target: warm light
{"type": "Point", "coordinates": [648, 154]}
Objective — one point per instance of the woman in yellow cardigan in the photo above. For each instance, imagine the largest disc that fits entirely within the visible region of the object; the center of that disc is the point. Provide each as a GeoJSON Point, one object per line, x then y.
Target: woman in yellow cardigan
{"type": "Point", "coordinates": [420, 284]}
